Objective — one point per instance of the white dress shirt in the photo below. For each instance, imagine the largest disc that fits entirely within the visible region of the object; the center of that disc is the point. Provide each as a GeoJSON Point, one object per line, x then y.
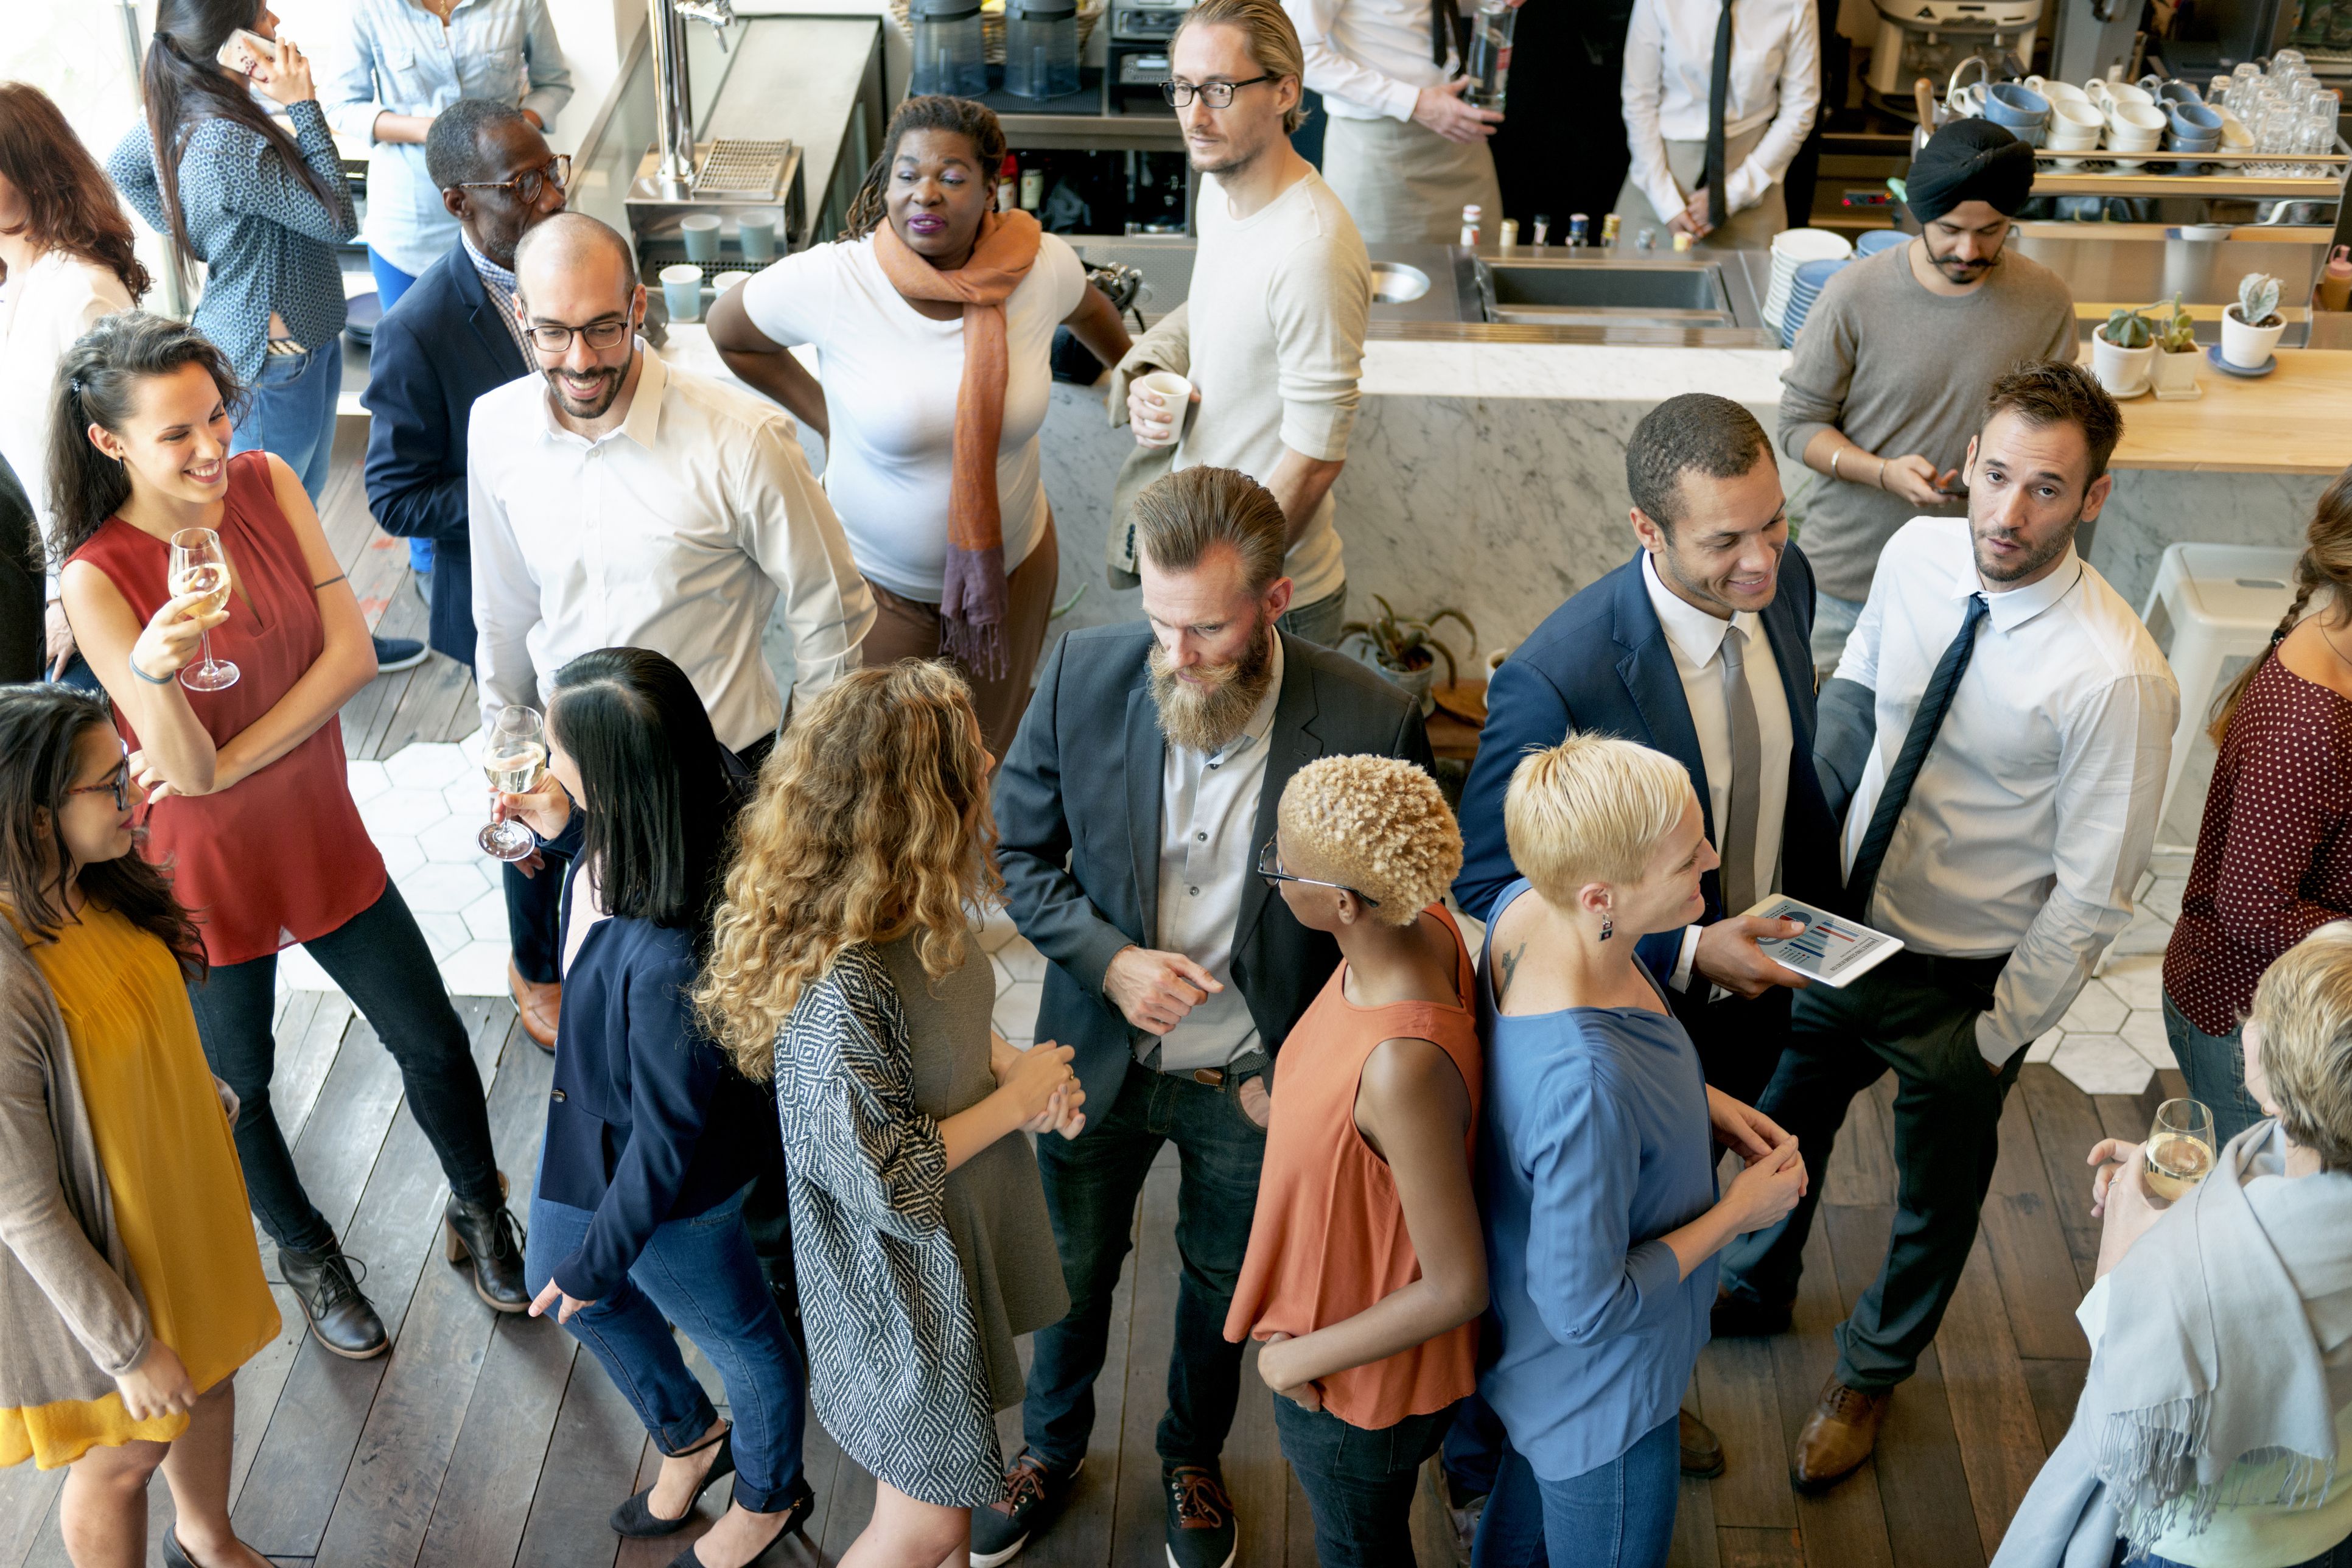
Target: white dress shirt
{"type": "Point", "coordinates": [54, 300]}
{"type": "Point", "coordinates": [2032, 817]}
{"type": "Point", "coordinates": [1696, 638]}
{"type": "Point", "coordinates": [1369, 58]}
{"type": "Point", "coordinates": [676, 532]}
{"type": "Point", "coordinates": [1208, 822]}
{"type": "Point", "coordinates": [1776, 77]}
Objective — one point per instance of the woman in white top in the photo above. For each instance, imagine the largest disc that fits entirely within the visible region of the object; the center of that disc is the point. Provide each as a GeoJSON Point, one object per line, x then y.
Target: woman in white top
{"type": "Point", "coordinates": [1774, 87]}
{"type": "Point", "coordinates": [933, 318]}
{"type": "Point", "coordinates": [66, 264]}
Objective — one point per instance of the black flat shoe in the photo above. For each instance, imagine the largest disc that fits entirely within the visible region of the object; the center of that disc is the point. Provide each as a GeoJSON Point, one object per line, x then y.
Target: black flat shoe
{"type": "Point", "coordinates": [796, 1517]}
{"type": "Point", "coordinates": [636, 1518]}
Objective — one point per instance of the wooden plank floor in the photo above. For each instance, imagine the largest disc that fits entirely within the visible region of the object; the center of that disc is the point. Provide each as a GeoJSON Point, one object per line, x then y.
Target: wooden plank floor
{"type": "Point", "coordinates": [483, 1443]}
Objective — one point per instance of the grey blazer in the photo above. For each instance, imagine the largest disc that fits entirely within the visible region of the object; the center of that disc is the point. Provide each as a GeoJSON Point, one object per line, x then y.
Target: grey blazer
{"type": "Point", "coordinates": [1077, 825]}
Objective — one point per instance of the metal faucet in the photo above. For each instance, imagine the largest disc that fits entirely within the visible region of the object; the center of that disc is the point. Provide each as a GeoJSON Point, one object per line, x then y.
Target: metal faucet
{"type": "Point", "coordinates": [673, 94]}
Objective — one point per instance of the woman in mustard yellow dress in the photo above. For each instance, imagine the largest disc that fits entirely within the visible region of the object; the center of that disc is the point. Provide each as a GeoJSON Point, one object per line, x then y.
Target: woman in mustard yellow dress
{"type": "Point", "coordinates": [130, 1288]}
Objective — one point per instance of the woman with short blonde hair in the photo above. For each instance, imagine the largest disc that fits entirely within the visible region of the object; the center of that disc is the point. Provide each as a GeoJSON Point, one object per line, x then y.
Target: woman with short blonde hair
{"type": "Point", "coordinates": [1597, 1168]}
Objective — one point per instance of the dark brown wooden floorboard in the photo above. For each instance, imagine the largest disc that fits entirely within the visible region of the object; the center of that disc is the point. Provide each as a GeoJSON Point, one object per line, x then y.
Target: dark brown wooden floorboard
{"type": "Point", "coordinates": [592, 1465]}
{"type": "Point", "coordinates": [1138, 1525]}
{"type": "Point", "coordinates": [2055, 1386]}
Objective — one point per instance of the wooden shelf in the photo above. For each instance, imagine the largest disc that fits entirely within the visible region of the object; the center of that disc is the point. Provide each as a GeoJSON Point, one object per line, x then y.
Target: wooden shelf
{"type": "Point", "coordinates": [2295, 420]}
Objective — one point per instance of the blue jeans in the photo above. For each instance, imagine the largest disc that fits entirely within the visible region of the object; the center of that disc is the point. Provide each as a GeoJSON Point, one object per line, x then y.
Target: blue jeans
{"type": "Point", "coordinates": [290, 411]}
{"type": "Point", "coordinates": [2215, 1067]}
{"type": "Point", "coordinates": [698, 1273]}
{"type": "Point", "coordinates": [1091, 1188]}
{"type": "Point", "coordinates": [1617, 1515]}
{"type": "Point", "coordinates": [1475, 1446]}
{"type": "Point", "coordinates": [2337, 1557]}
{"type": "Point", "coordinates": [1359, 1482]}
{"type": "Point", "coordinates": [1319, 622]}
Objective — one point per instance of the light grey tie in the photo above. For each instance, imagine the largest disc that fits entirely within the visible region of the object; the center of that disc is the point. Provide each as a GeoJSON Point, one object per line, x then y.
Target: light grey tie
{"type": "Point", "coordinates": [1739, 828]}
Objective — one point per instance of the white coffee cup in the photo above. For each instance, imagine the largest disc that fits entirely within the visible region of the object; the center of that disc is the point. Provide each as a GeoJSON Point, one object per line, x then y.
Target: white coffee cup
{"type": "Point", "coordinates": [2107, 96]}
{"type": "Point", "coordinates": [2135, 128]}
{"type": "Point", "coordinates": [2057, 92]}
{"type": "Point", "coordinates": [2075, 127]}
{"type": "Point", "coordinates": [1174, 393]}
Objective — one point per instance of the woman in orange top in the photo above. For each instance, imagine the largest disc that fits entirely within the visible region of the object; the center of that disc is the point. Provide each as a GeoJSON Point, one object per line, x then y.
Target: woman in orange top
{"type": "Point", "coordinates": [1365, 1267]}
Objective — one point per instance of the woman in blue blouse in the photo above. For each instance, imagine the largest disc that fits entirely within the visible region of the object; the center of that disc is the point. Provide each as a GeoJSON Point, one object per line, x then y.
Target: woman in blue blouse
{"type": "Point", "coordinates": [1597, 1161]}
{"type": "Point", "coordinates": [636, 1221]}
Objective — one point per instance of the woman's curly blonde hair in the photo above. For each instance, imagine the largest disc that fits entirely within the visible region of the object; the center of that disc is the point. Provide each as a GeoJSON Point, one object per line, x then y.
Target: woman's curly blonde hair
{"type": "Point", "coordinates": [1378, 824]}
{"type": "Point", "coordinates": [872, 821]}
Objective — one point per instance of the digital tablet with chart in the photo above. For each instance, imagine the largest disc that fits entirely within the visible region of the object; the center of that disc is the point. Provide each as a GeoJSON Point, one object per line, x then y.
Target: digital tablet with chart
{"type": "Point", "coordinates": [1831, 949]}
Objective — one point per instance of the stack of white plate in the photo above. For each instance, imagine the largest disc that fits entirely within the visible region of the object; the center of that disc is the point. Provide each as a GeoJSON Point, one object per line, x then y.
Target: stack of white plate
{"type": "Point", "coordinates": [1791, 248]}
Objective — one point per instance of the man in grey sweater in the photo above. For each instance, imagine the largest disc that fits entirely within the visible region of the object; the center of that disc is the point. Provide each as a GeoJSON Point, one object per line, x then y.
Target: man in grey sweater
{"type": "Point", "coordinates": [1889, 374]}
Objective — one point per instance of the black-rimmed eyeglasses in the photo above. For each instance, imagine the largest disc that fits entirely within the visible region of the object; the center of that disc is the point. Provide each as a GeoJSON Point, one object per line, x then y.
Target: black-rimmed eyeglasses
{"type": "Point", "coordinates": [526, 186]}
{"type": "Point", "coordinates": [555, 338]}
{"type": "Point", "coordinates": [118, 785]}
{"type": "Point", "coordinates": [1269, 865]}
{"type": "Point", "coordinates": [1215, 94]}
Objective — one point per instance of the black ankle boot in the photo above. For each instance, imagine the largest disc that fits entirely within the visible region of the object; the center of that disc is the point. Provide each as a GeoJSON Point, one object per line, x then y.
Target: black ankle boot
{"type": "Point", "coordinates": [489, 1236]}
{"type": "Point", "coordinates": [330, 1289]}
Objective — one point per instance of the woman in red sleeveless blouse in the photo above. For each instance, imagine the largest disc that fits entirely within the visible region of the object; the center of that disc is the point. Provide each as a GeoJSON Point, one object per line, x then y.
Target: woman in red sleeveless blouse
{"type": "Point", "coordinates": [249, 807]}
{"type": "Point", "coordinates": [1367, 1262]}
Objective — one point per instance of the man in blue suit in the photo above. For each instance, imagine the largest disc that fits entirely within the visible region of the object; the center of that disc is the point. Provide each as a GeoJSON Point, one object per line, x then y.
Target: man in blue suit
{"type": "Point", "coordinates": [1700, 647]}
{"type": "Point", "coordinates": [453, 336]}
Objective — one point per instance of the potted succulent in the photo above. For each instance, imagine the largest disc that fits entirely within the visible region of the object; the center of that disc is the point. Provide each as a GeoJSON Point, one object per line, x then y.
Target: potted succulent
{"type": "Point", "coordinates": [2174, 369]}
{"type": "Point", "coordinates": [2120, 351]}
{"type": "Point", "coordinates": [1406, 649]}
{"type": "Point", "coordinates": [2250, 328]}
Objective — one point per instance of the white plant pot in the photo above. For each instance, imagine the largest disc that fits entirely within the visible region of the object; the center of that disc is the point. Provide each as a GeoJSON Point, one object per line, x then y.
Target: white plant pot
{"type": "Point", "coordinates": [2247, 348]}
{"type": "Point", "coordinates": [2175, 376]}
{"type": "Point", "coordinates": [2123, 372]}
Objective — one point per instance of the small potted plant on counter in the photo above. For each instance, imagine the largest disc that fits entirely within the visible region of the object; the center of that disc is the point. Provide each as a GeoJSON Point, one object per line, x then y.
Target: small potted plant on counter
{"type": "Point", "coordinates": [2250, 328]}
{"type": "Point", "coordinates": [1405, 648]}
{"type": "Point", "coordinates": [2175, 366]}
{"type": "Point", "coordinates": [2120, 352]}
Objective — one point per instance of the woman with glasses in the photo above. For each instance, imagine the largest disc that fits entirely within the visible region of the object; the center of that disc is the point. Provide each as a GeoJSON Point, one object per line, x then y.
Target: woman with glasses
{"type": "Point", "coordinates": [1365, 1268]}
{"type": "Point", "coordinates": [131, 1289]}
{"type": "Point", "coordinates": [934, 318]}
{"type": "Point", "coordinates": [251, 809]}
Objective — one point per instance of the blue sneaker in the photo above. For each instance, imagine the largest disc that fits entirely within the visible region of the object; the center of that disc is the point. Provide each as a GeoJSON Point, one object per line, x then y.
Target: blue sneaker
{"type": "Point", "coordinates": [397, 653]}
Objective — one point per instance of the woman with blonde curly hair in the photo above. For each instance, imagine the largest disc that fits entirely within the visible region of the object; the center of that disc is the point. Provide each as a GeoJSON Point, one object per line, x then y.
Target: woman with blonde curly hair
{"type": "Point", "coordinates": [843, 964]}
{"type": "Point", "coordinates": [1365, 1267]}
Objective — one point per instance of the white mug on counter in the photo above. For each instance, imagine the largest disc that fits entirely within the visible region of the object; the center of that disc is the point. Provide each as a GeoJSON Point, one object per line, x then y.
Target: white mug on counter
{"type": "Point", "coordinates": [2075, 127]}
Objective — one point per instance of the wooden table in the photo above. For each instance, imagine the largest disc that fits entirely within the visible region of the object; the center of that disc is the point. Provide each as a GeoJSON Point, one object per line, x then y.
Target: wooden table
{"type": "Point", "coordinates": [2295, 420]}
{"type": "Point", "coordinates": [1451, 735]}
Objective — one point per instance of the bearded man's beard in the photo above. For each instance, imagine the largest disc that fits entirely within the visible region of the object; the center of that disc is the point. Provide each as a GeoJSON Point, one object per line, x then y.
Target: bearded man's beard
{"type": "Point", "coordinates": [1206, 711]}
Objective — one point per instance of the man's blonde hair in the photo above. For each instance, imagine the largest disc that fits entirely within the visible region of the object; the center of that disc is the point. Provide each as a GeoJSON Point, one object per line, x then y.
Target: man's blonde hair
{"type": "Point", "coordinates": [2303, 1007]}
{"type": "Point", "coordinates": [1378, 824]}
{"type": "Point", "coordinates": [1590, 809]}
{"type": "Point", "coordinates": [1273, 41]}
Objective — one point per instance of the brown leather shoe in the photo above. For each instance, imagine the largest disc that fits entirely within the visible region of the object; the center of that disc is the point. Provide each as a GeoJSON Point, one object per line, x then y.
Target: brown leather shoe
{"type": "Point", "coordinates": [539, 1006]}
{"type": "Point", "coordinates": [1735, 1319]}
{"type": "Point", "coordinates": [1838, 1435]}
{"type": "Point", "coordinates": [1702, 1449]}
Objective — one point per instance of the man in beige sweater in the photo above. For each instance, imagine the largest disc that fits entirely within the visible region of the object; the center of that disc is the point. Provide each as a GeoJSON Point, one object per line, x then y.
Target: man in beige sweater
{"type": "Point", "coordinates": [1272, 335]}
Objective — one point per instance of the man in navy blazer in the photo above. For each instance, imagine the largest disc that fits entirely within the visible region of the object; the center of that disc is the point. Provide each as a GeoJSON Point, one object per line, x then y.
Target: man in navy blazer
{"type": "Point", "coordinates": [451, 338]}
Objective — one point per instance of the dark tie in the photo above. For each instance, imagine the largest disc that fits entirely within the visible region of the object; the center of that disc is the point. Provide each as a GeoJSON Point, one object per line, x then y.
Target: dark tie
{"type": "Point", "coordinates": [1738, 826]}
{"type": "Point", "coordinates": [1719, 98]}
{"type": "Point", "coordinates": [1934, 703]}
{"type": "Point", "coordinates": [1444, 26]}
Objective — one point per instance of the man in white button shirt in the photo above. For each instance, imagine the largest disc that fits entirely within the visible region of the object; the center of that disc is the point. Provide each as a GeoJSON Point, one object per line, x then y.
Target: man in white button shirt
{"type": "Point", "coordinates": [1401, 146]}
{"type": "Point", "coordinates": [618, 502]}
{"type": "Point", "coordinates": [1130, 813]}
{"type": "Point", "coordinates": [2003, 723]}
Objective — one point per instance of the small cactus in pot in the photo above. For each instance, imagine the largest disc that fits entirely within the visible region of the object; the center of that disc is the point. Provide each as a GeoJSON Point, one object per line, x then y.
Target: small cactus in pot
{"type": "Point", "coordinates": [2251, 329]}
{"type": "Point", "coordinates": [2120, 351]}
{"type": "Point", "coordinates": [2127, 329]}
{"type": "Point", "coordinates": [2174, 369]}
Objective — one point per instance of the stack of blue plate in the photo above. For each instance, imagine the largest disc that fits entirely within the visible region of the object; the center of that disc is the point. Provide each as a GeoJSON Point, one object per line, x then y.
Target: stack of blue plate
{"type": "Point", "coordinates": [1805, 288]}
{"type": "Point", "coordinates": [1878, 239]}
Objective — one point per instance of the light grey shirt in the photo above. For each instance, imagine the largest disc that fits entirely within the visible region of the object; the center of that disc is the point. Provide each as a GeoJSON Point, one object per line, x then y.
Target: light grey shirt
{"type": "Point", "coordinates": [1208, 817]}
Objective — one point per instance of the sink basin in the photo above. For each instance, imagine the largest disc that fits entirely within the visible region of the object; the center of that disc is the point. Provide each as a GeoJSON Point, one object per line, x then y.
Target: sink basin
{"type": "Point", "coordinates": [1395, 283]}
{"type": "Point", "coordinates": [1604, 294]}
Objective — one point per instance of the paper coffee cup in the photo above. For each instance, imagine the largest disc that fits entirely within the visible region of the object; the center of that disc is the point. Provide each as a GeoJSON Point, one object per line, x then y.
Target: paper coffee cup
{"type": "Point", "coordinates": [1175, 395]}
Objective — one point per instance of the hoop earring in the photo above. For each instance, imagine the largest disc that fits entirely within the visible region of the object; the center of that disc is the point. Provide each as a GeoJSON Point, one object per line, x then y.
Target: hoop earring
{"type": "Point", "coordinates": [1607, 926]}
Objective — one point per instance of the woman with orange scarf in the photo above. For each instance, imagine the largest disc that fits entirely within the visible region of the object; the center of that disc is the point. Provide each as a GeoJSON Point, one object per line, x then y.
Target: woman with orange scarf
{"type": "Point", "coordinates": [933, 319]}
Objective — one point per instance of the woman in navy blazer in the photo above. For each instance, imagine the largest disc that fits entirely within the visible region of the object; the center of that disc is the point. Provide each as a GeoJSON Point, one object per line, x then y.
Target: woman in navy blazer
{"type": "Point", "coordinates": [637, 1223]}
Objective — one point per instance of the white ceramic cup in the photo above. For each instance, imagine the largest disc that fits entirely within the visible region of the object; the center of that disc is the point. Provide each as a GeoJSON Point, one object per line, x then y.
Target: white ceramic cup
{"type": "Point", "coordinates": [2075, 127]}
{"type": "Point", "coordinates": [2057, 92]}
{"type": "Point", "coordinates": [2135, 128]}
{"type": "Point", "coordinates": [2106, 95]}
{"type": "Point", "coordinates": [1175, 394]}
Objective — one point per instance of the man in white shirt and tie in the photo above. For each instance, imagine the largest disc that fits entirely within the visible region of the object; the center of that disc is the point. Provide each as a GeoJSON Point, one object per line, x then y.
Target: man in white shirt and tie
{"type": "Point", "coordinates": [619, 503]}
{"type": "Point", "coordinates": [1718, 96]}
{"type": "Point", "coordinates": [1401, 147]}
{"type": "Point", "coordinates": [2003, 723]}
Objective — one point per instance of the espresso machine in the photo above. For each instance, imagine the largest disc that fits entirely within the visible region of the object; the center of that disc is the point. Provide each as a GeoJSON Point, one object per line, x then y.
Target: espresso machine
{"type": "Point", "coordinates": [1931, 38]}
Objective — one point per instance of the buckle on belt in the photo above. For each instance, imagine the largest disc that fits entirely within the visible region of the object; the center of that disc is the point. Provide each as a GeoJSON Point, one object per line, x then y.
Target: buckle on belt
{"type": "Point", "coordinates": [1212, 1077]}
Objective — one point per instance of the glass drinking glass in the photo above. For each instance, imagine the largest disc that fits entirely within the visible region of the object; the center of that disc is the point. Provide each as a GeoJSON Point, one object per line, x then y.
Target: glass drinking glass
{"type": "Point", "coordinates": [514, 755]}
{"type": "Point", "coordinates": [199, 567]}
{"type": "Point", "coordinates": [2179, 1148]}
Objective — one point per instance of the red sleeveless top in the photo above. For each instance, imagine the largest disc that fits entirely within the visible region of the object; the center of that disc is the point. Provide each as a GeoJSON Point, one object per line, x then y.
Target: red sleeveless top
{"type": "Point", "coordinates": [1328, 1238]}
{"type": "Point", "coordinates": [281, 856]}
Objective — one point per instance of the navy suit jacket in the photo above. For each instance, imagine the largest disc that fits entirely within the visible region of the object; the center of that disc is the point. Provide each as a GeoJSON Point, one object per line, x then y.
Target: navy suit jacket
{"type": "Point", "coordinates": [1602, 662]}
{"type": "Point", "coordinates": [441, 347]}
{"type": "Point", "coordinates": [1077, 825]}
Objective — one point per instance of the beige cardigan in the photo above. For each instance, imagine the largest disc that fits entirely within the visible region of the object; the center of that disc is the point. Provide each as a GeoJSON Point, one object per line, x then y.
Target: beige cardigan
{"type": "Point", "coordinates": [71, 1315]}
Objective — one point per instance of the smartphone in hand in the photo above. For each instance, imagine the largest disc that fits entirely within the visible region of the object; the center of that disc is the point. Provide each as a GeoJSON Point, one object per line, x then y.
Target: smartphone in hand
{"type": "Point", "coordinates": [245, 50]}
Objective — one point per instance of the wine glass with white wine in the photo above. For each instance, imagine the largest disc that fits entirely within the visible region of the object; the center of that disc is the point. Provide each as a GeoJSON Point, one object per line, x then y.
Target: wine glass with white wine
{"type": "Point", "coordinates": [2179, 1148]}
{"type": "Point", "coordinates": [199, 567]}
{"type": "Point", "coordinates": [514, 755]}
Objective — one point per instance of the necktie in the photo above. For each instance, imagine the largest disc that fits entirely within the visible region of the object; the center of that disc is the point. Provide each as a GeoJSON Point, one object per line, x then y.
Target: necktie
{"type": "Point", "coordinates": [1739, 835]}
{"type": "Point", "coordinates": [1934, 703]}
{"type": "Point", "coordinates": [1718, 99]}
{"type": "Point", "coordinates": [1445, 25]}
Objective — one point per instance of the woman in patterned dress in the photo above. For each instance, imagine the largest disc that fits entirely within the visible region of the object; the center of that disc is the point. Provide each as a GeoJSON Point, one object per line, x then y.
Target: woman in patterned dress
{"type": "Point", "coordinates": [844, 963]}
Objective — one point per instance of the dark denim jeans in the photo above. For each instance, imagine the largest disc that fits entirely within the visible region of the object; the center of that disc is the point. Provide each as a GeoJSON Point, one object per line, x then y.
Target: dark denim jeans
{"type": "Point", "coordinates": [1359, 1482]}
{"type": "Point", "coordinates": [2337, 1557]}
{"type": "Point", "coordinates": [1091, 1187]}
{"type": "Point", "coordinates": [698, 1273]}
{"type": "Point", "coordinates": [2215, 1067]}
{"type": "Point", "coordinates": [381, 961]}
{"type": "Point", "coordinates": [1475, 1446]}
{"type": "Point", "coordinates": [1617, 1515]}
